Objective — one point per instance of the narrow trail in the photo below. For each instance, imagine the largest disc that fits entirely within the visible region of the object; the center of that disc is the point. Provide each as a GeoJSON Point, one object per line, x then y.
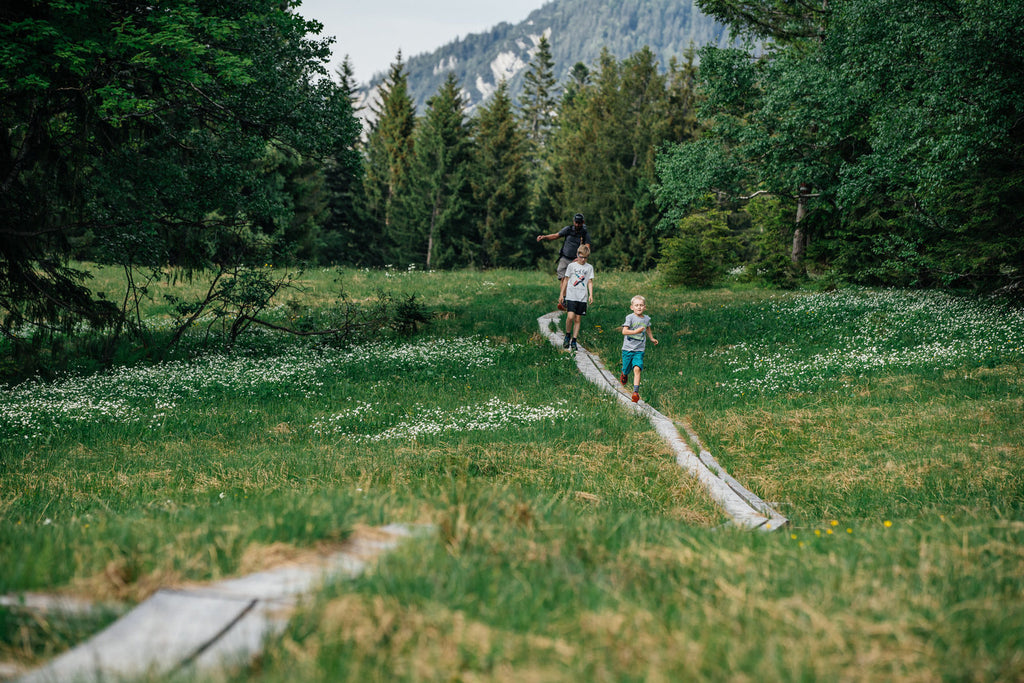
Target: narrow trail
{"type": "Point", "coordinates": [743, 507]}
{"type": "Point", "coordinates": [178, 632]}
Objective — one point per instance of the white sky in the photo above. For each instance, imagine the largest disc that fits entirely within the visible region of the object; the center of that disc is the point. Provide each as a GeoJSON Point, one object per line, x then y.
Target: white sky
{"type": "Point", "coordinates": [372, 31]}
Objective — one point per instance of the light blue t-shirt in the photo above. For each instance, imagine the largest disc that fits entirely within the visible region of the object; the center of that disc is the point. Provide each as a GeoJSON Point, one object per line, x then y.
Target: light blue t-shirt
{"type": "Point", "coordinates": [638, 341]}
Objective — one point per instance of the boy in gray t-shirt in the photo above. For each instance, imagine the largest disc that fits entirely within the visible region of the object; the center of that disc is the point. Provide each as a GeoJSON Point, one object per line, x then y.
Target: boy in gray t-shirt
{"type": "Point", "coordinates": [577, 292]}
{"type": "Point", "coordinates": [636, 330]}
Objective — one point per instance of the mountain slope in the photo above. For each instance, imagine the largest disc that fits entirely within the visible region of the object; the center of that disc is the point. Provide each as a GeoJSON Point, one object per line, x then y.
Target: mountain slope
{"type": "Point", "coordinates": [577, 31]}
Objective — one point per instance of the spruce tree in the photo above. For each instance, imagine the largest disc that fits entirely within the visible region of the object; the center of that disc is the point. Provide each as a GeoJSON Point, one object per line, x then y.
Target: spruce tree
{"type": "Point", "coordinates": [502, 185]}
{"type": "Point", "coordinates": [538, 102]}
{"type": "Point", "coordinates": [602, 157]}
{"type": "Point", "coordinates": [682, 97]}
{"type": "Point", "coordinates": [538, 106]}
{"type": "Point", "coordinates": [345, 239]}
{"type": "Point", "coordinates": [437, 217]}
{"type": "Point", "coordinates": [389, 156]}
{"type": "Point", "coordinates": [645, 105]}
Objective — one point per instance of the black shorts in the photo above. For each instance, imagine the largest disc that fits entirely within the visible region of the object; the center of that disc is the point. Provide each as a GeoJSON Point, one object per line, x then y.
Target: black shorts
{"type": "Point", "coordinates": [577, 307]}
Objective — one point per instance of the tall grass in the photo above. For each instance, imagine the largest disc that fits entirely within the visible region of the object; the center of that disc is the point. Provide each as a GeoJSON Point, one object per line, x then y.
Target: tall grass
{"type": "Point", "coordinates": [568, 545]}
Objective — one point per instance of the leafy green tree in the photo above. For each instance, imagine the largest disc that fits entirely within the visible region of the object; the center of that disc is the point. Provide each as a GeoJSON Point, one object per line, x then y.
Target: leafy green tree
{"type": "Point", "coordinates": [501, 185]}
{"type": "Point", "coordinates": [782, 21]}
{"type": "Point", "coordinates": [901, 164]}
{"type": "Point", "coordinates": [139, 137]}
{"type": "Point", "coordinates": [389, 157]}
{"type": "Point", "coordinates": [942, 87]}
{"type": "Point", "coordinates": [438, 217]}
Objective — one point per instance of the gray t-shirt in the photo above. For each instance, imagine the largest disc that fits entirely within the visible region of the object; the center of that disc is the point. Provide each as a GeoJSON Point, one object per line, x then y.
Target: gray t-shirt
{"type": "Point", "coordinates": [638, 341]}
{"type": "Point", "coordinates": [579, 275]}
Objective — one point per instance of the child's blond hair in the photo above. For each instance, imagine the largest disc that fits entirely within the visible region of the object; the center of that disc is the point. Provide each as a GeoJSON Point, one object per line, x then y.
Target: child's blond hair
{"type": "Point", "coordinates": [637, 298]}
{"type": "Point", "coordinates": [583, 251]}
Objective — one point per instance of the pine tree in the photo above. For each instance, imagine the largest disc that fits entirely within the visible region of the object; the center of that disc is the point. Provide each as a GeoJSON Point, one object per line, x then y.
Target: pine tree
{"type": "Point", "coordinates": [538, 106]}
{"type": "Point", "coordinates": [345, 239]}
{"type": "Point", "coordinates": [437, 216]}
{"type": "Point", "coordinates": [682, 97]}
{"type": "Point", "coordinates": [347, 81]}
{"type": "Point", "coordinates": [389, 156]}
{"type": "Point", "coordinates": [538, 102]}
{"type": "Point", "coordinates": [602, 157]}
{"type": "Point", "coordinates": [579, 78]}
{"type": "Point", "coordinates": [645, 104]}
{"type": "Point", "coordinates": [502, 185]}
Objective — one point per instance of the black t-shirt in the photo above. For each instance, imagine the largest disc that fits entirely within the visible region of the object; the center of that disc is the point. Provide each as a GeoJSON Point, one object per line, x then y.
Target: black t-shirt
{"type": "Point", "coordinates": [573, 240]}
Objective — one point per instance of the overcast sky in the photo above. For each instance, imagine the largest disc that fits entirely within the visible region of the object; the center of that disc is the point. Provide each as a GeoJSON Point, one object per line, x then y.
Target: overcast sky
{"type": "Point", "coordinates": [372, 31]}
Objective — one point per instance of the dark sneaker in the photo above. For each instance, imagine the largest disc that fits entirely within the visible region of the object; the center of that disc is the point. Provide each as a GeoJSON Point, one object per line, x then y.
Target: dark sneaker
{"type": "Point", "coordinates": [565, 342]}
{"type": "Point", "coordinates": [622, 379]}
{"type": "Point", "coordinates": [572, 345]}
{"type": "Point", "coordinates": [635, 397]}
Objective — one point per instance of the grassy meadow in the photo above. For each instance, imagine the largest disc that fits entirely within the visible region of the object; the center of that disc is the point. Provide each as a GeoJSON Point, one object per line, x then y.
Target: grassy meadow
{"type": "Point", "coordinates": [566, 544]}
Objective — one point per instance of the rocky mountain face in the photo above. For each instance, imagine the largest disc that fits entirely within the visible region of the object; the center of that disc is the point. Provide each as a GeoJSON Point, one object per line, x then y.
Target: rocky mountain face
{"type": "Point", "coordinates": [576, 29]}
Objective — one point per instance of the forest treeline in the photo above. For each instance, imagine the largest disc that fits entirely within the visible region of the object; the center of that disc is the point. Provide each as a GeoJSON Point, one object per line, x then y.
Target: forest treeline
{"type": "Point", "coordinates": [876, 141]}
{"type": "Point", "coordinates": [577, 31]}
{"type": "Point", "coordinates": [448, 189]}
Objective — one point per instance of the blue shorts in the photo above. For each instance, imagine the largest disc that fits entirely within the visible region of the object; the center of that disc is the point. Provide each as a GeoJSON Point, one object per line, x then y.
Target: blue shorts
{"type": "Point", "coordinates": [577, 307]}
{"type": "Point", "coordinates": [632, 359]}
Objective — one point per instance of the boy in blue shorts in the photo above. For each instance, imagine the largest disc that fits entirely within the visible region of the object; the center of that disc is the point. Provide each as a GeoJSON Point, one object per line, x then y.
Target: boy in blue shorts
{"type": "Point", "coordinates": [577, 292]}
{"type": "Point", "coordinates": [636, 330]}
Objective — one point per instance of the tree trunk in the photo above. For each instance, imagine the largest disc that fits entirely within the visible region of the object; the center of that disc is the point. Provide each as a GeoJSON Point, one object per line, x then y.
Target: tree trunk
{"type": "Point", "coordinates": [799, 236]}
{"type": "Point", "coordinates": [433, 224]}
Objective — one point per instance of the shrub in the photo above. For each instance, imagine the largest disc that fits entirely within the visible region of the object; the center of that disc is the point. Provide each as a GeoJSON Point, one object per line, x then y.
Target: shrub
{"type": "Point", "coordinates": [702, 252]}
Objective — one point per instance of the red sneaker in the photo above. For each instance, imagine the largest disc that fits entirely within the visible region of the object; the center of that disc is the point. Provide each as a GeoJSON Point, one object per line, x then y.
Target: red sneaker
{"type": "Point", "coordinates": [635, 397]}
{"type": "Point", "coordinates": [560, 306]}
{"type": "Point", "coordinates": [622, 379]}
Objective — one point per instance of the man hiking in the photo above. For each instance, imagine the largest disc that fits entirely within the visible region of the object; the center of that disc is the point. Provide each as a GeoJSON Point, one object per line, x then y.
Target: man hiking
{"type": "Point", "coordinates": [576, 235]}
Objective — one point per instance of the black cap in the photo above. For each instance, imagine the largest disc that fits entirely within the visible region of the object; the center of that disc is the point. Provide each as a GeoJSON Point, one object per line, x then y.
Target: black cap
{"type": "Point", "coordinates": [578, 218]}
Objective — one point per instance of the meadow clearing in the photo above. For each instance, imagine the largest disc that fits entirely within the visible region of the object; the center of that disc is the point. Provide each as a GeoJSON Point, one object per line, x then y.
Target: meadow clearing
{"type": "Point", "coordinates": [568, 545]}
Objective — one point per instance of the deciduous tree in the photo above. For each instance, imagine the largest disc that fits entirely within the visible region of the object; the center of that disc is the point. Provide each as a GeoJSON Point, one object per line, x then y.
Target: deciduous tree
{"type": "Point", "coordinates": [137, 134]}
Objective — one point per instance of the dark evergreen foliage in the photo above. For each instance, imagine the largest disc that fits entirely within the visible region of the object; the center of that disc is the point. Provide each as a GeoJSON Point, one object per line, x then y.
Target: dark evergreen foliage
{"type": "Point", "coordinates": [389, 157]}
{"type": "Point", "coordinates": [438, 225]}
{"type": "Point", "coordinates": [501, 183]}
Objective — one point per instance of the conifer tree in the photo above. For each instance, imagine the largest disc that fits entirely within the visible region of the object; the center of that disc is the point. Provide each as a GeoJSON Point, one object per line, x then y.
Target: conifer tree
{"type": "Point", "coordinates": [602, 157]}
{"type": "Point", "coordinates": [539, 101]}
{"type": "Point", "coordinates": [643, 101]}
{"type": "Point", "coordinates": [345, 239]}
{"type": "Point", "coordinates": [502, 185]}
{"type": "Point", "coordinates": [579, 78]}
{"type": "Point", "coordinates": [538, 106]}
{"type": "Point", "coordinates": [437, 217]}
{"type": "Point", "coordinates": [682, 97]}
{"type": "Point", "coordinates": [389, 156]}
